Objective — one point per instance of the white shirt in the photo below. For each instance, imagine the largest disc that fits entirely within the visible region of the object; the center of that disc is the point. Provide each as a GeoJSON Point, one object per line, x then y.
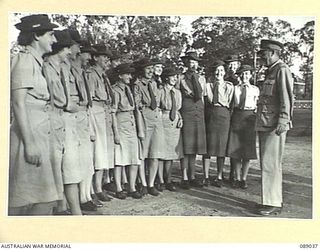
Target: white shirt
{"type": "Point", "coordinates": [251, 97]}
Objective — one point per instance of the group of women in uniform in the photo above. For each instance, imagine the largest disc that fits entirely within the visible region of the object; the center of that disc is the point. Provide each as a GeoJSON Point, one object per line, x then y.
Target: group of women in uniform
{"type": "Point", "coordinates": [76, 133]}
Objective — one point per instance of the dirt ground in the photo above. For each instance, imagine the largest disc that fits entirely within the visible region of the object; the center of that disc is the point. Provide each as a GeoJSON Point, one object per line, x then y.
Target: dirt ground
{"type": "Point", "coordinates": [226, 201]}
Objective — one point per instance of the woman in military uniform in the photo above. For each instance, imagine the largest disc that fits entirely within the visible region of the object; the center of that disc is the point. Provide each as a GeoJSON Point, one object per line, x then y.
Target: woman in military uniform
{"type": "Point", "coordinates": [127, 150]}
{"type": "Point", "coordinates": [242, 138]}
{"type": "Point", "coordinates": [170, 104]}
{"type": "Point", "coordinates": [219, 97]}
{"type": "Point", "coordinates": [34, 184]}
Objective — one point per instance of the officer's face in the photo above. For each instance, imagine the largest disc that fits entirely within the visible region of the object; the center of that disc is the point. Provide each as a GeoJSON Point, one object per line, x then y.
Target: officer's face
{"type": "Point", "coordinates": [75, 51]}
{"type": "Point", "coordinates": [172, 80]}
{"type": "Point", "coordinates": [125, 78]}
{"type": "Point", "coordinates": [148, 72]}
{"type": "Point", "coordinates": [266, 57]}
{"type": "Point", "coordinates": [84, 57]}
{"type": "Point", "coordinates": [193, 65]}
{"type": "Point", "coordinates": [158, 69]}
{"type": "Point", "coordinates": [115, 62]}
{"type": "Point", "coordinates": [219, 73]}
{"type": "Point", "coordinates": [46, 40]}
{"type": "Point", "coordinates": [246, 76]}
{"type": "Point", "coordinates": [233, 66]}
{"type": "Point", "coordinates": [64, 54]}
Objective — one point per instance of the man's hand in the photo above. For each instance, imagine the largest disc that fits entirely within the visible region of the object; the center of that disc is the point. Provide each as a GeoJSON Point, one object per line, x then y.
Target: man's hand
{"type": "Point", "coordinates": [280, 129]}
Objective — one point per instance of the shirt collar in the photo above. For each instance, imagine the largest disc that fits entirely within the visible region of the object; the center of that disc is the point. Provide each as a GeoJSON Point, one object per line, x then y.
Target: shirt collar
{"type": "Point", "coordinates": [121, 85]}
{"type": "Point", "coordinates": [99, 70]}
{"type": "Point", "coordinates": [145, 81]}
{"type": "Point", "coordinates": [274, 64]}
{"type": "Point", "coordinates": [35, 54]}
{"type": "Point", "coordinates": [54, 65]}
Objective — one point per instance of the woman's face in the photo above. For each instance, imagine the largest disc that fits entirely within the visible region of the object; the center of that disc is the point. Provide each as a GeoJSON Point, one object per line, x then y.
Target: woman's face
{"type": "Point", "coordinates": [46, 40]}
{"type": "Point", "coordinates": [74, 51]}
{"type": "Point", "coordinates": [219, 73]}
{"type": "Point", "coordinates": [193, 65]}
{"type": "Point", "coordinates": [64, 53]}
{"type": "Point", "coordinates": [85, 57]}
{"type": "Point", "coordinates": [103, 61]}
{"type": "Point", "coordinates": [148, 72]}
{"type": "Point", "coordinates": [246, 76]}
{"type": "Point", "coordinates": [125, 78]}
{"type": "Point", "coordinates": [157, 69]}
{"type": "Point", "coordinates": [172, 80]}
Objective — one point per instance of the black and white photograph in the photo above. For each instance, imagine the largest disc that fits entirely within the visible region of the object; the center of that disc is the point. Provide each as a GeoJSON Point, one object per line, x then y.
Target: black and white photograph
{"type": "Point", "coordinates": [155, 115]}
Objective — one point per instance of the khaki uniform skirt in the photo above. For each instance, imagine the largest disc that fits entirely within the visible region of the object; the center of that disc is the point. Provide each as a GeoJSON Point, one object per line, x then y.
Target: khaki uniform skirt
{"type": "Point", "coordinates": [193, 130]}
{"type": "Point", "coordinates": [128, 152]}
{"type": "Point", "coordinates": [173, 149]}
{"type": "Point", "coordinates": [104, 142]}
{"type": "Point", "coordinates": [242, 138]}
{"type": "Point", "coordinates": [153, 143]}
{"type": "Point", "coordinates": [29, 184]}
{"type": "Point", "coordinates": [218, 124]}
{"type": "Point", "coordinates": [86, 145]}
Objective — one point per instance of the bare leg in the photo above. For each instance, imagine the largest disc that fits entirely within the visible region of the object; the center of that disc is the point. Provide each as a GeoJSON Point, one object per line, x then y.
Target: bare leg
{"type": "Point", "coordinates": [192, 166]}
{"type": "Point", "coordinates": [72, 195]}
{"type": "Point", "coordinates": [220, 165]}
{"type": "Point", "coordinates": [245, 169]}
{"type": "Point", "coordinates": [117, 177]}
{"type": "Point", "coordinates": [98, 176]}
{"type": "Point", "coordinates": [237, 166]}
{"type": "Point", "coordinates": [43, 208]}
{"type": "Point", "coordinates": [153, 169]}
{"type": "Point", "coordinates": [167, 166]}
{"type": "Point", "coordinates": [206, 166]}
{"type": "Point", "coordinates": [142, 173]}
{"type": "Point", "coordinates": [184, 162]}
{"type": "Point", "coordinates": [160, 171]}
{"type": "Point", "coordinates": [84, 189]}
{"type": "Point", "coordinates": [124, 178]}
{"type": "Point", "coordinates": [133, 171]}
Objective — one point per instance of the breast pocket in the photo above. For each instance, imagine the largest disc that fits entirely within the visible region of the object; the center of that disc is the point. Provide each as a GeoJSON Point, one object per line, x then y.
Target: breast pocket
{"type": "Point", "coordinates": [268, 87]}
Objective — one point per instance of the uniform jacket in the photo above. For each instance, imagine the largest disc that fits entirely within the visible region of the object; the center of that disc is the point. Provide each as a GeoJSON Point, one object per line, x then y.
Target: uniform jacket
{"type": "Point", "coordinates": [275, 104]}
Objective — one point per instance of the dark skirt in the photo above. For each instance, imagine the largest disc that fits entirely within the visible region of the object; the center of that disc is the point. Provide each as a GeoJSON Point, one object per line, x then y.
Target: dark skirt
{"type": "Point", "coordinates": [242, 138]}
{"type": "Point", "coordinates": [217, 127]}
{"type": "Point", "coordinates": [193, 130]}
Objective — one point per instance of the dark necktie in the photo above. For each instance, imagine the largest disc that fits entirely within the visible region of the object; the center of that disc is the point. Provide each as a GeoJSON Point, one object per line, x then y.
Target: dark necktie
{"type": "Point", "coordinates": [173, 110]}
{"type": "Point", "coordinates": [77, 85]}
{"type": "Point", "coordinates": [108, 87]}
{"type": "Point", "coordinates": [153, 103]}
{"type": "Point", "coordinates": [196, 87]}
{"type": "Point", "coordinates": [128, 94]}
{"type": "Point", "coordinates": [242, 98]}
{"type": "Point", "coordinates": [87, 88]}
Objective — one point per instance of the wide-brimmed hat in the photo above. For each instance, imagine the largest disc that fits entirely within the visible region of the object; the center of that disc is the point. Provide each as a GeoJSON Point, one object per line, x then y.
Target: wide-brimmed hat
{"type": "Point", "coordinates": [232, 58]}
{"type": "Point", "coordinates": [156, 61]}
{"type": "Point", "coordinates": [115, 55]}
{"type": "Point", "coordinates": [270, 45]}
{"type": "Point", "coordinates": [216, 64]}
{"type": "Point", "coordinates": [75, 35]}
{"type": "Point", "coordinates": [35, 23]}
{"type": "Point", "coordinates": [170, 71]}
{"type": "Point", "coordinates": [144, 62]}
{"type": "Point", "coordinates": [85, 47]}
{"type": "Point", "coordinates": [124, 68]}
{"type": "Point", "coordinates": [191, 56]}
{"type": "Point", "coordinates": [63, 39]}
{"type": "Point", "coordinates": [244, 68]}
{"type": "Point", "coordinates": [101, 49]}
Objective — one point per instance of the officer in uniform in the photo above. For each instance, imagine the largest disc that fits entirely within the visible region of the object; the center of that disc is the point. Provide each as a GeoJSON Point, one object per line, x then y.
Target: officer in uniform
{"type": "Point", "coordinates": [274, 119]}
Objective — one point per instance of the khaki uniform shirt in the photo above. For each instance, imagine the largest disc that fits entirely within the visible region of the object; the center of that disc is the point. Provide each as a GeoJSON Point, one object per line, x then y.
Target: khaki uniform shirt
{"type": "Point", "coordinates": [275, 104]}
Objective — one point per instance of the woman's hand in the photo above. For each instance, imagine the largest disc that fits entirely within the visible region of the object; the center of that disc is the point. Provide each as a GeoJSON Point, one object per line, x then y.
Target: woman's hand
{"type": "Point", "coordinates": [32, 154]}
{"type": "Point", "coordinates": [116, 139]}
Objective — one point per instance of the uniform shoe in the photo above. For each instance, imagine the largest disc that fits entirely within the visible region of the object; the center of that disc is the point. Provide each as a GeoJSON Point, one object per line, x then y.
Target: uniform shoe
{"type": "Point", "coordinates": [125, 187]}
{"type": "Point", "coordinates": [121, 195]}
{"type": "Point", "coordinates": [88, 206]}
{"type": "Point", "coordinates": [243, 184]}
{"type": "Point", "coordinates": [135, 195]}
{"type": "Point", "coordinates": [235, 184]}
{"type": "Point", "coordinates": [171, 187]}
{"type": "Point", "coordinates": [102, 196]}
{"type": "Point", "coordinates": [108, 187]}
{"type": "Point", "coordinates": [217, 182]}
{"type": "Point", "coordinates": [96, 201]}
{"type": "Point", "coordinates": [63, 213]}
{"type": "Point", "coordinates": [269, 210]}
{"type": "Point", "coordinates": [196, 183]}
{"type": "Point", "coordinates": [206, 182]}
{"type": "Point", "coordinates": [153, 191]}
{"type": "Point", "coordinates": [160, 187]}
{"type": "Point", "coordinates": [184, 184]}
